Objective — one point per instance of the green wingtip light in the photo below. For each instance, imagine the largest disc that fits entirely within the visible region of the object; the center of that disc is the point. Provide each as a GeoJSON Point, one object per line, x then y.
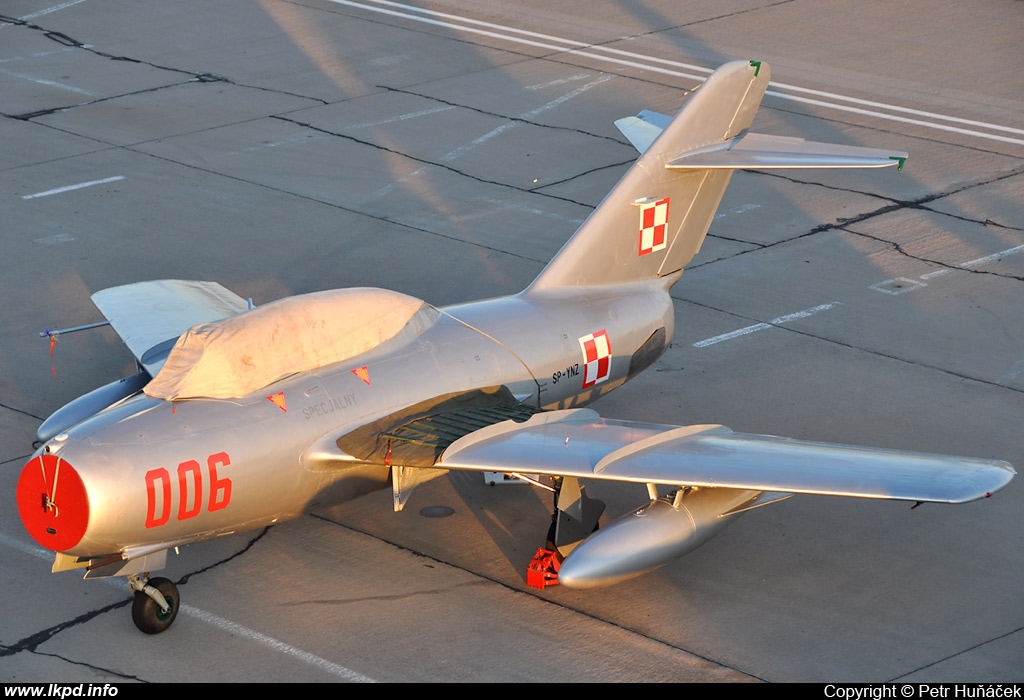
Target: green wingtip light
{"type": "Point", "coordinates": [900, 160]}
{"type": "Point", "coordinates": [757, 69]}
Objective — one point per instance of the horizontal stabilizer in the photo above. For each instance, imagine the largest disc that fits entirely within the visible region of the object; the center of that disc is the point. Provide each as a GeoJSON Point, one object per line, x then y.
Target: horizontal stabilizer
{"type": "Point", "coordinates": [580, 443]}
{"type": "Point", "coordinates": [763, 152]}
{"type": "Point", "coordinates": [642, 129]}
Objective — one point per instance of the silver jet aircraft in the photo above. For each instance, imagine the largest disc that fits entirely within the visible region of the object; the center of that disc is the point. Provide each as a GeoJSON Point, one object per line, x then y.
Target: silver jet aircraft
{"type": "Point", "coordinates": [243, 417]}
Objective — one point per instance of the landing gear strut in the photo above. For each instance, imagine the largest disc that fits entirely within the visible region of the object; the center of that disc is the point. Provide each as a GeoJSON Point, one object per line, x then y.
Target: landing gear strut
{"type": "Point", "coordinates": [156, 603]}
{"type": "Point", "coordinates": [574, 519]}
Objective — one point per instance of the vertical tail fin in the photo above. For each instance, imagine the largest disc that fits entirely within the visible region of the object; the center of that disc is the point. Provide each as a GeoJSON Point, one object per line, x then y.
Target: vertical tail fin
{"type": "Point", "coordinates": [655, 219]}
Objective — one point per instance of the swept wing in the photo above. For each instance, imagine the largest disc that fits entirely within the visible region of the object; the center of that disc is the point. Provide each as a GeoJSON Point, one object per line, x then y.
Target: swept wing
{"type": "Point", "coordinates": [149, 316]}
{"type": "Point", "coordinates": [581, 444]}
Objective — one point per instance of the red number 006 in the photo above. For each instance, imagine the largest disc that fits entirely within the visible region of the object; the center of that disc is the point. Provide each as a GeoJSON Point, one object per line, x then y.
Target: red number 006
{"type": "Point", "coordinates": [190, 490]}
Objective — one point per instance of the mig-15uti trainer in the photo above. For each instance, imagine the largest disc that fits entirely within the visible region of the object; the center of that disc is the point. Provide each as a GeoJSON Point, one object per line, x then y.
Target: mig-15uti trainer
{"type": "Point", "coordinates": [243, 417]}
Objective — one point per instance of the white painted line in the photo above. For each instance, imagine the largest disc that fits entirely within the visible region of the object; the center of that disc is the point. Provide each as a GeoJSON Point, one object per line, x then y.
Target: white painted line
{"type": "Point", "coordinates": [277, 645]}
{"type": "Point", "coordinates": [462, 150]}
{"type": "Point", "coordinates": [47, 11]}
{"type": "Point", "coordinates": [506, 37]}
{"type": "Point", "coordinates": [994, 256]}
{"type": "Point", "coordinates": [69, 188]}
{"type": "Point", "coordinates": [217, 621]}
{"type": "Point", "coordinates": [499, 207]}
{"type": "Point", "coordinates": [692, 67]}
{"type": "Point", "coordinates": [303, 138]}
{"type": "Point", "coordinates": [1014, 371]}
{"type": "Point", "coordinates": [898, 108]}
{"type": "Point", "coordinates": [635, 60]}
{"type": "Point", "coordinates": [729, 336]}
{"type": "Point", "coordinates": [55, 239]}
{"type": "Point", "coordinates": [738, 210]}
{"type": "Point", "coordinates": [560, 81]}
{"type": "Point", "coordinates": [905, 120]}
{"type": "Point", "coordinates": [50, 83]}
{"type": "Point", "coordinates": [565, 98]}
{"type": "Point", "coordinates": [762, 326]}
{"type": "Point", "coordinates": [902, 285]}
{"type": "Point", "coordinates": [466, 148]}
{"type": "Point", "coordinates": [55, 8]}
{"type": "Point", "coordinates": [37, 54]}
{"type": "Point", "coordinates": [452, 155]}
{"type": "Point", "coordinates": [803, 314]}
{"type": "Point", "coordinates": [26, 548]}
{"type": "Point", "coordinates": [402, 117]}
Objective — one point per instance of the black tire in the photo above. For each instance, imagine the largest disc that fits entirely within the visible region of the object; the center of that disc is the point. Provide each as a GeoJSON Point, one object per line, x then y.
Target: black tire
{"type": "Point", "coordinates": [146, 614]}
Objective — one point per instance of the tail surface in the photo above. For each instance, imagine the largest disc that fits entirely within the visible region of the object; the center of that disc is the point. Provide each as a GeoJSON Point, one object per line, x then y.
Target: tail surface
{"type": "Point", "coordinates": [655, 219]}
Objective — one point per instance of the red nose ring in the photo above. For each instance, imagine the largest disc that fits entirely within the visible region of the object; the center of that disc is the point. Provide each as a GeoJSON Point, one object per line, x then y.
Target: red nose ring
{"type": "Point", "coordinates": [52, 502]}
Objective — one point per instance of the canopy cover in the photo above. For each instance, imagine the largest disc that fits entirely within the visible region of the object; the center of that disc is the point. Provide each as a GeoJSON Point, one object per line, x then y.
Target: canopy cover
{"type": "Point", "coordinates": [244, 353]}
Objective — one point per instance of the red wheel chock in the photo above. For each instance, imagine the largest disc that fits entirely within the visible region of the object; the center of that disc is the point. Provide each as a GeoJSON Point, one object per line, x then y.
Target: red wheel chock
{"type": "Point", "coordinates": [543, 569]}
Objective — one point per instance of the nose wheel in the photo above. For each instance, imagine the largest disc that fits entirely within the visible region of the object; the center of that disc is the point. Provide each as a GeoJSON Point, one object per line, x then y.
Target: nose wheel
{"type": "Point", "coordinates": [156, 603]}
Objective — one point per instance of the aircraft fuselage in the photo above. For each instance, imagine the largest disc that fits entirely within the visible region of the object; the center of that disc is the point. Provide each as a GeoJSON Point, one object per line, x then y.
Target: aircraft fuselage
{"type": "Point", "coordinates": [148, 474]}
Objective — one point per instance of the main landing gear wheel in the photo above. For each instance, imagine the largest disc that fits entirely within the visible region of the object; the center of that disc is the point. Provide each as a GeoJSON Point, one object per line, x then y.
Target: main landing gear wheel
{"type": "Point", "coordinates": [147, 613]}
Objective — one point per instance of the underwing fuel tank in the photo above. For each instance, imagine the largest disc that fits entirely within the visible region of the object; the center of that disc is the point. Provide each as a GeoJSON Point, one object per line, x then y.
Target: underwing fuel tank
{"type": "Point", "coordinates": [651, 536]}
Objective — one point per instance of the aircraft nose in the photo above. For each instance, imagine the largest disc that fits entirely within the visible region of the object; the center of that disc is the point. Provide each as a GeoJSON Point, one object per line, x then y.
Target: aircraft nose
{"type": "Point", "coordinates": [52, 502]}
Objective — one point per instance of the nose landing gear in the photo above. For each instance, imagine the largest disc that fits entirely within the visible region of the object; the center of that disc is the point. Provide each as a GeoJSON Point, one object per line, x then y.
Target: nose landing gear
{"type": "Point", "coordinates": [156, 603]}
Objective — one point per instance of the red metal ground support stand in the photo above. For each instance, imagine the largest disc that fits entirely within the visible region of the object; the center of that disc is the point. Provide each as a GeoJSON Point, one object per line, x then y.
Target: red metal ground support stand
{"type": "Point", "coordinates": [543, 569]}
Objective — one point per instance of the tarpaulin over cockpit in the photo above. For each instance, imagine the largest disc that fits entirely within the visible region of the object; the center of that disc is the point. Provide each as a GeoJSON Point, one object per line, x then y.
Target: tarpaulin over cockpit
{"type": "Point", "coordinates": [244, 353]}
